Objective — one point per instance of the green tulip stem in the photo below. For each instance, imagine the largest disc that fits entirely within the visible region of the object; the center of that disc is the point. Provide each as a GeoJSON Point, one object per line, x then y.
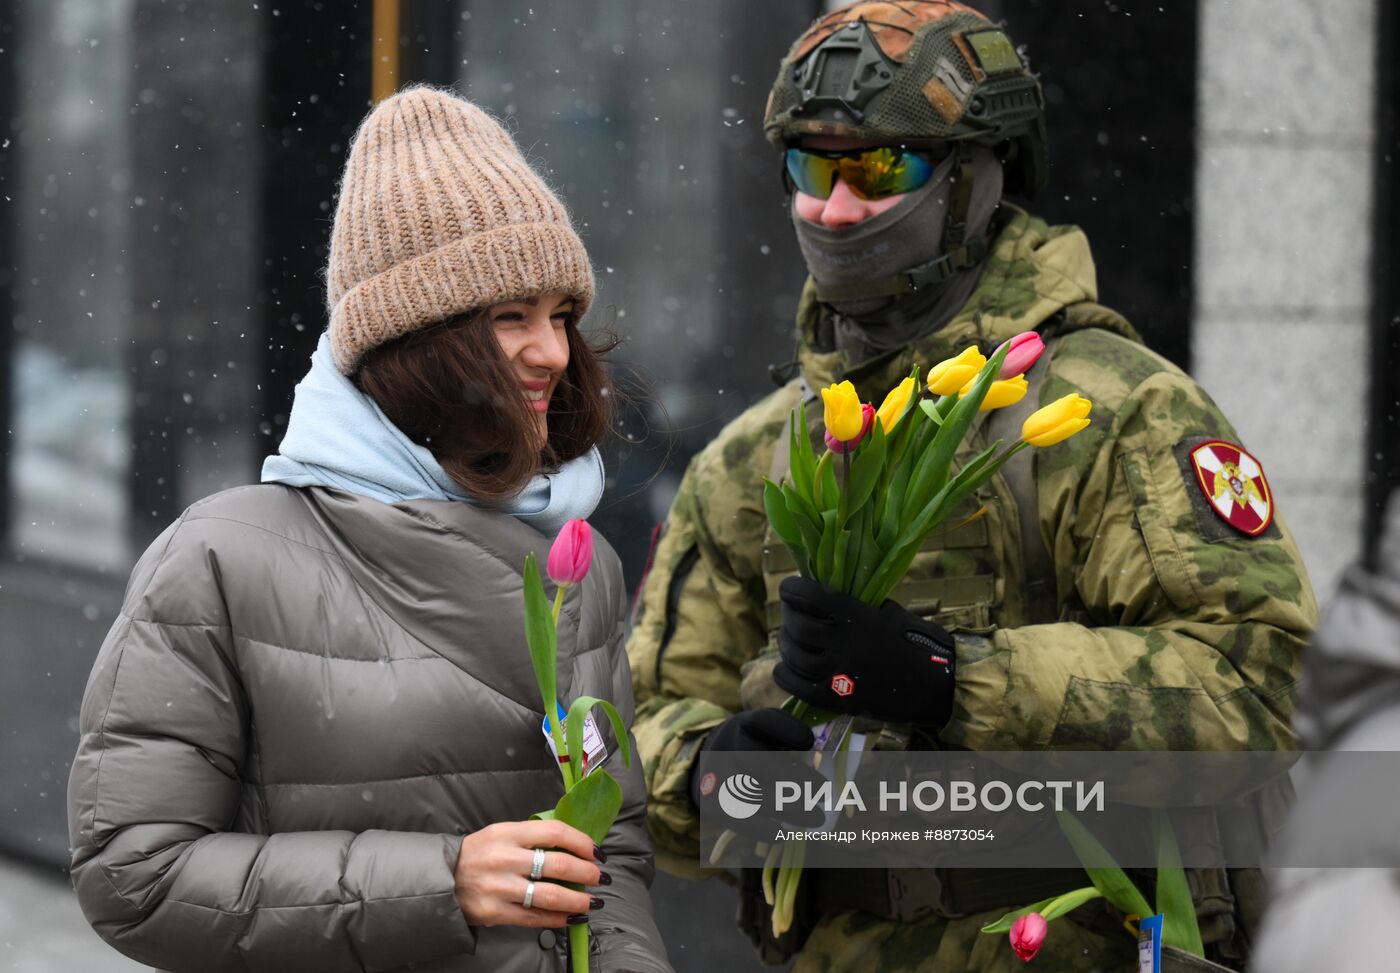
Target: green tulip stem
{"type": "Point", "coordinates": [566, 767]}
{"type": "Point", "coordinates": [578, 948]}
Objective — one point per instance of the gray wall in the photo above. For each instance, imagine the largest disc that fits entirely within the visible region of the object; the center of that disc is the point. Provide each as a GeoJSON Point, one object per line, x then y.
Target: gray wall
{"type": "Point", "coordinates": [1280, 336]}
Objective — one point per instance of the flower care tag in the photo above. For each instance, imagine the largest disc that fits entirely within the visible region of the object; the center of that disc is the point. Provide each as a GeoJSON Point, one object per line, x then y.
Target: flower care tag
{"type": "Point", "coordinates": [594, 751]}
{"type": "Point", "coordinates": [1150, 945]}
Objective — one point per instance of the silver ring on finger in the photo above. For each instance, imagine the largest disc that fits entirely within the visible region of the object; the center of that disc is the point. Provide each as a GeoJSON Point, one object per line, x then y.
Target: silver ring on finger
{"type": "Point", "coordinates": [529, 900]}
{"type": "Point", "coordinates": [537, 865]}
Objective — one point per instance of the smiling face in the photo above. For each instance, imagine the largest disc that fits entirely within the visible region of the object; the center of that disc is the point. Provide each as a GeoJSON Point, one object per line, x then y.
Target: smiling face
{"type": "Point", "coordinates": [534, 339]}
{"type": "Point", "coordinates": [496, 394]}
{"type": "Point", "coordinates": [842, 209]}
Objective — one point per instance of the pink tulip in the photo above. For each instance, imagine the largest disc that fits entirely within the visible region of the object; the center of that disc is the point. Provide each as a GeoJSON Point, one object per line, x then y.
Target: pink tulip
{"type": "Point", "coordinates": [1025, 348]}
{"type": "Point", "coordinates": [867, 417]}
{"type": "Point", "coordinates": [1028, 934]}
{"type": "Point", "coordinates": [571, 555]}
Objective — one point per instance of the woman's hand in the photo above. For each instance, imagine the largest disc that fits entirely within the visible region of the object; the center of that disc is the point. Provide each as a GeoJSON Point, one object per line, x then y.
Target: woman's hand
{"type": "Point", "coordinates": [493, 869]}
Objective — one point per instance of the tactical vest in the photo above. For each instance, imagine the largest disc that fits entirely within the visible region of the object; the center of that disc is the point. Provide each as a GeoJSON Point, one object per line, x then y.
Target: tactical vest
{"type": "Point", "coordinates": [973, 579]}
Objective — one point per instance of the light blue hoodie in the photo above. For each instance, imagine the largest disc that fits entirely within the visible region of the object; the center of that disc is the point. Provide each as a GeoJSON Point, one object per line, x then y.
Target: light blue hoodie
{"type": "Point", "coordinates": [338, 437]}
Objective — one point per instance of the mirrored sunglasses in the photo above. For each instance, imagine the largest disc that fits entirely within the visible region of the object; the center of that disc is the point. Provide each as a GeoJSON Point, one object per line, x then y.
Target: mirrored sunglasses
{"type": "Point", "coordinates": [870, 173]}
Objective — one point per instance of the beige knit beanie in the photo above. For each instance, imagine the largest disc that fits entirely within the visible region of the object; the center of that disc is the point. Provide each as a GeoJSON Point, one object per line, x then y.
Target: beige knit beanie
{"type": "Point", "coordinates": [440, 214]}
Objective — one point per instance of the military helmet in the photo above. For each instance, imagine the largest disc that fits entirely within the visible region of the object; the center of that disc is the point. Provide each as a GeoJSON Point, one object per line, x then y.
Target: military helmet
{"type": "Point", "coordinates": [915, 72]}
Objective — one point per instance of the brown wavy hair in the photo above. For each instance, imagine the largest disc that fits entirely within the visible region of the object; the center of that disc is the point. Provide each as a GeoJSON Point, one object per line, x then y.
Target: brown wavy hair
{"type": "Point", "coordinates": [450, 389]}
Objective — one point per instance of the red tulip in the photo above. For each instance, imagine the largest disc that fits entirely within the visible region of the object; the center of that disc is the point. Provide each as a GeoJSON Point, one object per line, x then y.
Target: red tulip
{"type": "Point", "coordinates": [1025, 348]}
{"type": "Point", "coordinates": [867, 419]}
{"type": "Point", "coordinates": [1028, 934]}
{"type": "Point", "coordinates": [571, 555]}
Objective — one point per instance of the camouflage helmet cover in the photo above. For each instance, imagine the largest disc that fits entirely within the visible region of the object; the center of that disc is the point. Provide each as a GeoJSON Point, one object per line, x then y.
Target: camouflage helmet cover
{"type": "Point", "coordinates": [912, 71]}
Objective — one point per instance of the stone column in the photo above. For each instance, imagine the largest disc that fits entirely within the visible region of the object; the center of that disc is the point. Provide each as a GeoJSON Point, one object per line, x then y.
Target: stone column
{"type": "Point", "coordinates": [1282, 252]}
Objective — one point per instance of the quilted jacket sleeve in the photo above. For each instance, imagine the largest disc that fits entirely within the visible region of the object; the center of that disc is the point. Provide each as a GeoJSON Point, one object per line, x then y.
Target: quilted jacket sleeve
{"type": "Point", "coordinates": [1190, 633]}
{"type": "Point", "coordinates": [155, 787]}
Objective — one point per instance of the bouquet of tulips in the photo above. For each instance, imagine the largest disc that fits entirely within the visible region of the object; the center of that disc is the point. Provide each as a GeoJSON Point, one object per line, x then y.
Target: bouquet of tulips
{"type": "Point", "coordinates": [592, 797]}
{"type": "Point", "coordinates": [859, 532]}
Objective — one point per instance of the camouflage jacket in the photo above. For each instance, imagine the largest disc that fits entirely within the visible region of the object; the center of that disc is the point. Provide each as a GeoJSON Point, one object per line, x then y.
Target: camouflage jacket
{"type": "Point", "coordinates": [1175, 631]}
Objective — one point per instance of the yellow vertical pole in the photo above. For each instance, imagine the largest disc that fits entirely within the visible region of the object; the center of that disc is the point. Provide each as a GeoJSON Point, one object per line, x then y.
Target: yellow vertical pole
{"type": "Point", "coordinates": [385, 74]}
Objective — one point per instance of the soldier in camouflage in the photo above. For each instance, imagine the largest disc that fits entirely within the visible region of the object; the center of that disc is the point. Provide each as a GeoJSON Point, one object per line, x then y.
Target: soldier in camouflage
{"type": "Point", "coordinates": [1114, 595]}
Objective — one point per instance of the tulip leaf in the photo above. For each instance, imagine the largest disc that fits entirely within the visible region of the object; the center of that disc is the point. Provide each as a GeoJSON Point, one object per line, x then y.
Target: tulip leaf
{"type": "Point", "coordinates": [839, 553]}
{"type": "Point", "coordinates": [924, 481]}
{"type": "Point", "coordinates": [907, 430]}
{"type": "Point", "coordinates": [977, 464]}
{"type": "Point", "coordinates": [573, 728]}
{"type": "Point", "coordinates": [808, 521]}
{"type": "Point", "coordinates": [828, 491]}
{"type": "Point", "coordinates": [898, 483]}
{"type": "Point", "coordinates": [543, 815]}
{"type": "Point", "coordinates": [867, 465]}
{"type": "Point", "coordinates": [827, 549]}
{"type": "Point", "coordinates": [775, 505]}
{"type": "Point", "coordinates": [591, 805]}
{"type": "Point", "coordinates": [540, 636]}
{"type": "Point", "coordinates": [800, 507]}
{"type": "Point", "coordinates": [919, 441]}
{"type": "Point", "coordinates": [1068, 902]}
{"type": "Point", "coordinates": [800, 461]}
{"type": "Point", "coordinates": [901, 554]}
{"type": "Point", "coordinates": [931, 515]}
{"type": "Point", "coordinates": [936, 458]}
{"type": "Point", "coordinates": [937, 409]}
{"type": "Point", "coordinates": [1179, 925]}
{"type": "Point", "coordinates": [819, 493]}
{"type": "Point", "coordinates": [1107, 877]}
{"type": "Point", "coordinates": [868, 558]}
{"type": "Point", "coordinates": [804, 445]}
{"type": "Point", "coordinates": [982, 468]}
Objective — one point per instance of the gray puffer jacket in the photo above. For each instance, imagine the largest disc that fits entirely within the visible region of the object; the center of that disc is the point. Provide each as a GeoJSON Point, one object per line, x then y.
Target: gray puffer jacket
{"type": "Point", "coordinates": [307, 700]}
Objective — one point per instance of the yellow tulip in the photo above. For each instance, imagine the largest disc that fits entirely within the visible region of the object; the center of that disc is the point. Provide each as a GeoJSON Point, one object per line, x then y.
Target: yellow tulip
{"type": "Point", "coordinates": [842, 414]}
{"type": "Point", "coordinates": [1007, 391]}
{"type": "Point", "coordinates": [1057, 421]}
{"type": "Point", "coordinates": [948, 376]}
{"type": "Point", "coordinates": [893, 407]}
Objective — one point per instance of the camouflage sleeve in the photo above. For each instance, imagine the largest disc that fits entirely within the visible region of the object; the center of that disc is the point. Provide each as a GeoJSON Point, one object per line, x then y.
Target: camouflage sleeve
{"type": "Point", "coordinates": [701, 619]}
{"type": "Point", "coordinates": [1186, 634]}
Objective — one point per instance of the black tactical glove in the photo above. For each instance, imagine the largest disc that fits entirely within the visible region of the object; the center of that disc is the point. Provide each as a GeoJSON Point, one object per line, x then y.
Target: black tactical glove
{"type": "Point", "coordinates": [755, 730]}
{"type": "Point", "coordinates": [845, 656]}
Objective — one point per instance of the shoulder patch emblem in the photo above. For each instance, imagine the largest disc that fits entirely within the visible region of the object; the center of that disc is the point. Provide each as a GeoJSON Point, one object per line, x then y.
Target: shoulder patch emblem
{"type": "Point", "coordinates": [1234, 486]}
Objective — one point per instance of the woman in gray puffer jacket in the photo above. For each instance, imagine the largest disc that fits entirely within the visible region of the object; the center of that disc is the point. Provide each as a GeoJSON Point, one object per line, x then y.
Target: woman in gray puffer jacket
{"type": "Point", "coordinates": [312, 739]}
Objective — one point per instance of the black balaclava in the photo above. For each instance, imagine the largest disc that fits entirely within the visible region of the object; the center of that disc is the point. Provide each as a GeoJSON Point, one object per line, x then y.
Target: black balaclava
{"type": "Point", "coordinates": [905, 236]}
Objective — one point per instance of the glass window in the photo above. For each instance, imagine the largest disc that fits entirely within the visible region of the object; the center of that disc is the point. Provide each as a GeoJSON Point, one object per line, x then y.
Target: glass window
{"type": "Point", "coordinates": [646, 116]}
{"type": "Point", "coordinates": [69, 458]}
{"type": "Point", "coordinates": [135, 351]}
